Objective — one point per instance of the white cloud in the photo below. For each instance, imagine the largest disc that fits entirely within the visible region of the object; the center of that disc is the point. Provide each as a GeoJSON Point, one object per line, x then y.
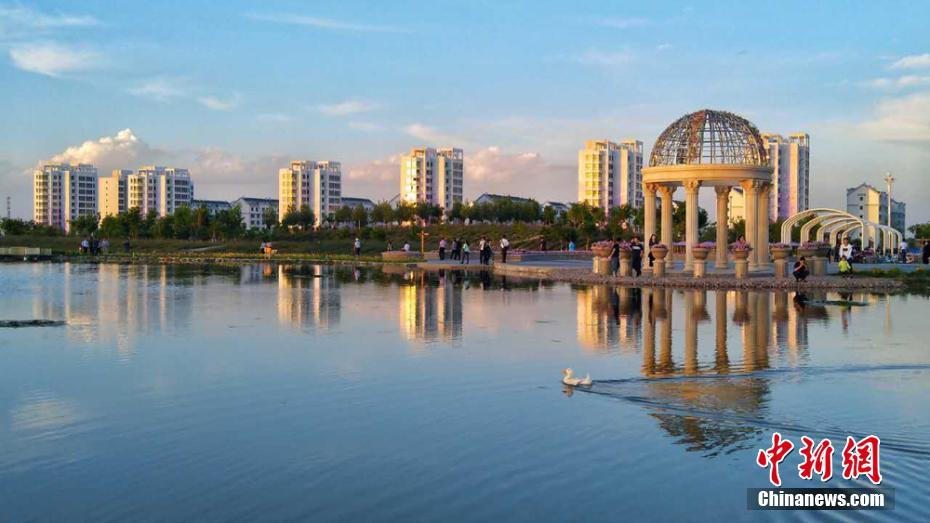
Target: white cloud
{"type": "Point", "coordinates": [347, 107]}
{"type": "Point", "coordinates": [121, 151]}
{"type": "Point", "coordinates": [217, 173]}
{"type": "Point", "coordinates": [663, 47]}
{"type": "Point", "coordinates": [903, 119]}
{"type": "Point", "coordinates": [903, 82]}
{"type": "Point", "coordinates": [522, 173]}
{"type": "Point", "coordinates": [623, 23]}
{"type": "Point", "coordinates": [322, 23]}
{"type": "Point", "coordinates": [379, 178]}
{"type": "Point", "coordinates": [52, 59]}
{"type": "Point", "coordinates": [917, 61]}
{"type": "Point", "coordinates": [604, 58]}
{"type": "Point", "coordinates": [20, 21]}
{"type": "Point", "coordinates": [433, 136]}
{"type": "Point", "coordinates": [221, 104]}
{"type": "Point", "coordinates": [160, 89]}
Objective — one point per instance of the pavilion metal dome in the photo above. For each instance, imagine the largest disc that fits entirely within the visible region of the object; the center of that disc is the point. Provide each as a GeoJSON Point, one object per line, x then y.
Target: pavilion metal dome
{"type": "Point", "coordinates": [710, 137]}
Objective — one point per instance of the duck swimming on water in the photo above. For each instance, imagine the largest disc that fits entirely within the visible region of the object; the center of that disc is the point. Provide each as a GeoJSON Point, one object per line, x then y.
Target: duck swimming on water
{"type": "Point", "coordinates": [568, 379]}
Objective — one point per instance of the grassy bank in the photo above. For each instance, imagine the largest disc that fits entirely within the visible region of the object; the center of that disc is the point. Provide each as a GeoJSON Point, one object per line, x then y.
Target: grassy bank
{"type": "Point", "coordinates": [330, 242]}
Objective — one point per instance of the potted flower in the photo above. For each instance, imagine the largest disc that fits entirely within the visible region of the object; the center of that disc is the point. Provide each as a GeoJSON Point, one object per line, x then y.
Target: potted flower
{"type": "Point", "coordinates": [780, 251]}
{"type": "Point", "coordinates": [602, 248]}
{"type": "Point", "coordinates": [659, 251]}
{"type": "Point", "coordinates": [815, 248]}
{"type": "Point", "coordinates": [626, 252]}
{"type": "Point", "coordinates": [740, 250]}
{"type": "Point", "coordinates": [701, 250]}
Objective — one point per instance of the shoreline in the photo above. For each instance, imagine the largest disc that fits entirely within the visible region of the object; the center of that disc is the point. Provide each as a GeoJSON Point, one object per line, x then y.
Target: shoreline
{"type": "Point", "coordinates": [520, 270]}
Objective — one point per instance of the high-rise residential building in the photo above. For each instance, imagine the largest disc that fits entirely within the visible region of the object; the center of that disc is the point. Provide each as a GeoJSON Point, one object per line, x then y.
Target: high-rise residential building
{"type": "Point", "coordinates": [151, 188]}
{"type": "Point", "coordinates": [62, 192]}
{"type": "Point", "coordinates": [431, 175]}
{"type": "Point", "coordinates": [611, 174]}
{"type": "Point", "coordinates": [253, 210]}
{"type": "Point", "coordinates": [317, 185]}
{"type": "Point", "coordinates": [870, 204]}
{"type": "Point", "coordinates": [790, 194]}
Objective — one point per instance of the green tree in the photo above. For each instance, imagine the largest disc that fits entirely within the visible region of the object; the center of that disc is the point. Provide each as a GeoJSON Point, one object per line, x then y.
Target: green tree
{"type": "Point", "coordinates": [920, 231]}
{"type": "Point", "coordinates": [548, 215]}
{"type": "Point", "coordinates": [183, 223]}
{"type": "Point", "coordinates": [344, 214]}
{"type": "Point", "coordinates": [270, 217]}
{"type": "Point", "coordinates": [382, 213]}
{"type": "Point", "coordinates": [14, 226]}
{"type": "Point", "coordinates": [85, 224]}
{"type": "Point", "coordinates": [360, 216]}
{"type": "Point", "coordinates": [113, 227]}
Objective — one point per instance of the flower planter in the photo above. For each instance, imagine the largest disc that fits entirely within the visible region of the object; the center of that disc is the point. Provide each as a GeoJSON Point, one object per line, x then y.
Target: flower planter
{"type": "Point", "coordinates": [659, 253]}
{"type": "Point", "coordinates": [740, 254]}
{"type": "Point", "coordinates": [700, 253]}
{"type": "Point", "coordinates": [600, 251]}
{"type": "Point", "coordinates": [806, 253]}
{"type": "Point", "coordinates": [626, 254]}
{"type": "Point", "coordinates": [780, 253]}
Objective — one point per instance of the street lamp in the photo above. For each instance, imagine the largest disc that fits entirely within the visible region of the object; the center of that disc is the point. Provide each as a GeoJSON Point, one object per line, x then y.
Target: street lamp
{"type": "Point", "coordinates": [889, 181]}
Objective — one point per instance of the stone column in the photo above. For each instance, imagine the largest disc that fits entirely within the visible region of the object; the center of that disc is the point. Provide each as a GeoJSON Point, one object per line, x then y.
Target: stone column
{"type": "Point", "coordinates": [649, 333]}
{"type": "Point", "coordinates": [691, 342]}
{"type": "Point", "coordinates": [762, 237]}
{"type": "Point", "coordinates": [751, 213]}
{"type": "Point", "coordinates": [723, 200]}
{"type": "Point", "coordinates": [722, 361]}
{"type": "Point", "coordinates": [691, 221]}
{"type": "Point", "coordinates": [665, 194]}
{"type": "Point", "coordinates": [649, 212]}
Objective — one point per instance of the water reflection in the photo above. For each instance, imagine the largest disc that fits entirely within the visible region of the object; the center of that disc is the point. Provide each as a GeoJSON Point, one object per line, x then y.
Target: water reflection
{"type": "Point", "coordinates": [431, 310]}
{"type": "Point", "coordinates": [307, 297]}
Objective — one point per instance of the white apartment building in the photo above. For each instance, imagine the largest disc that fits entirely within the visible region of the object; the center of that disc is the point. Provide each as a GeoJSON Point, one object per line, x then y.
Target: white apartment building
{"type": "Point", "coordinates": [611, 174]}
{"type": "Point", "coordinates": [253, 210]}
{"type": "Point", "coordinates": [868, 203]}
{"type": "Point", "coordinates": [151, 188]}
{"type": "Point", "coordinates": [62, 192]}
{"type": "Point", "coordinates": [790, 194]}
{"type": "Point", "coordinates": [317, 185]}
{"type": "Point", "coordinates": [431, 175]}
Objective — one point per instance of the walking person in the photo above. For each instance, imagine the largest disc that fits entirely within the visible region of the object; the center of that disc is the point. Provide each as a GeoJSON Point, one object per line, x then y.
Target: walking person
{"type": "Point", "coordinates": [481, 250]}
{"type": "Point", "coordinates": [442, 248]}
{"type": "Point", "coordinates": [454, 255]}
{"type": "Point", "coordinates": [925, 253]}
{"type": "Point", "coordinates": [652, 241]}
{"type": "Point", "coordinates": [466, 253]}
{"type": "Point", "coordinates": [505, 246]}
{"type": "Point", "coordinates": [636, 256]}
{"type": "Point", "coordinates": [358, 247]}
{"type": "Point", "coordinates": [261, 248]}
{"type": "Point", "coordinates": [571, 245]}
{"type": "Point", "coordinates": [615, 257]}
{"type": "Point", "coordinates": [902, 252]}
{"type": "Point", "coordinates": [390, 245]}
{"type": "Point", "coordinates": [488, 253]}
{"type": "Point", "coordinates": [104, 246]}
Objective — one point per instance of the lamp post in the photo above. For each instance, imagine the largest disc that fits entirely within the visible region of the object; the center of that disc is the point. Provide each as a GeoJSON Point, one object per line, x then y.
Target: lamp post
{"type": "Point", "coordinates": [889, 181]}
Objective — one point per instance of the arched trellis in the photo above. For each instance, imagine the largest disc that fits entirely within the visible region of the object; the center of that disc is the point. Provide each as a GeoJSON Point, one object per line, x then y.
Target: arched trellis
{"type": "Point", "coordinates": [836, 222]}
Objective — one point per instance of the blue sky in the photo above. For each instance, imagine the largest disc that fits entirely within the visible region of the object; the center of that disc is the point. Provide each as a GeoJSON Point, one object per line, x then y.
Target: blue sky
{"type": "Point", "coordinates": [233, 90]}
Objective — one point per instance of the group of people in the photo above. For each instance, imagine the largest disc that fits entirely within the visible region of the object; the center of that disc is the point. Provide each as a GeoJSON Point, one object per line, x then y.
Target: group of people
{"type": "Point", "coordinates": [93, 246]}
{"type": "Point", "coordinates": [636, 256]}
{"type": "Point", "coordinates": [459, 250]}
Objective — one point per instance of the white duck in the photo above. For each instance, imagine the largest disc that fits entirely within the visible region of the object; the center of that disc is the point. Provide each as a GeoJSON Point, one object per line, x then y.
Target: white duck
{"type": "Point", "coordinates": [568, 379]}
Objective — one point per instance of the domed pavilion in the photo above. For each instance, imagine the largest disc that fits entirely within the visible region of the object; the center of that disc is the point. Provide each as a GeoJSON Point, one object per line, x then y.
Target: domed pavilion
{"type": "Point", "coordinates": [714, 149]}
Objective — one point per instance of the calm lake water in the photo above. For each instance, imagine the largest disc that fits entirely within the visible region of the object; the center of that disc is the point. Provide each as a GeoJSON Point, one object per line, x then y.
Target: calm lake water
{"type": "Point", "coordinates": [340, 394]}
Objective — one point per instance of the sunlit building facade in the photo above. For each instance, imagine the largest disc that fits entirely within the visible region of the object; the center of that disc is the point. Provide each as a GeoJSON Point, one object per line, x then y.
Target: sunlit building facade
{"type": "Point", "coordinates": [318, 185]}
{"type": "Point", "coordinates": [150, 189]}
{"type": "Point", "coordinates": [871, 204]}
{"type": "Point", "coordinates": [62, 192]}
{"type": "Point", "coordinates": [611, 174]}
{"type": "Point", "coordinates": [435, 176]}
{"type": "Point", "coordinates": [790, 193]}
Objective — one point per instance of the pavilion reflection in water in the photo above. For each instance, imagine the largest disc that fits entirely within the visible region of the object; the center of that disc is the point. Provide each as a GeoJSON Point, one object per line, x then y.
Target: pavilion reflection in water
{"type": "Point", "coordinates": [706, 402]}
